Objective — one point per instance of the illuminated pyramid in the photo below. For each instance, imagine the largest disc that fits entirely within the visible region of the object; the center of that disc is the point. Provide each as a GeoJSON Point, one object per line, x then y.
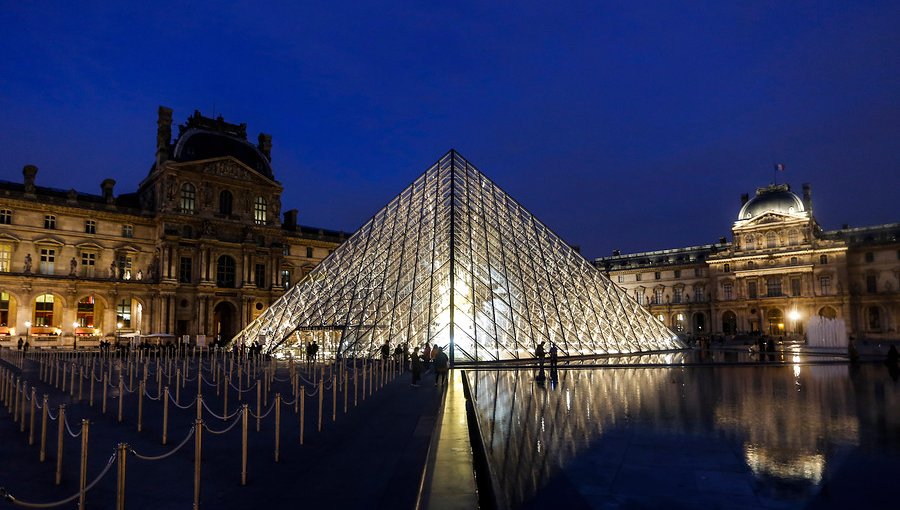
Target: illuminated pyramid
{"type": "Point", "coordinates": [454, 260]}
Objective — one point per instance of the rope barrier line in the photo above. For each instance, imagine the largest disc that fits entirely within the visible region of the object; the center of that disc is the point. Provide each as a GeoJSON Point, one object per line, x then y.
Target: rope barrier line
{"type": "Point", "coordinates": [147, 394]}
{"type": "Point", "coordinates": [179, 406]}
{"type": "Point", "coordinates": [265, 414]}
{"type": "Point", "coordinates": [69, 429]}
{"type": "Point", "coordinates": [238, 389]}
{"type": "Point", "coordinates": [211, 431]}
{"type": "Point", "coordinates": [9, 497]}
{"type": "Point", "coordinates": [190, 434]}
{"type": "Point", "coordinates": [210, 411]}
{"type": "Point", "coordinates": [50, 414]}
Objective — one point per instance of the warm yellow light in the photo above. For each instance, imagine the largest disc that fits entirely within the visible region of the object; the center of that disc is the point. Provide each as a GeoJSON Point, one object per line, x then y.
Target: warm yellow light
{"type": "Point", "coordinates": [27, 324]}
{"type": "Point", "coordinates": [75, 324]}
{"type": "Point", "coordinates": [794, 315]}
{"type": "Point", "coordinates": [780, 325]}
{"type": "Point", "coordinates": [119, 325]}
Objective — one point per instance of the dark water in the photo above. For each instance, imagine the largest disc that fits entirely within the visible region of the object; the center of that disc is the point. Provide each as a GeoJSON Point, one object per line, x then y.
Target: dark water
{"type": "Point", "coordinates": [743, 436]}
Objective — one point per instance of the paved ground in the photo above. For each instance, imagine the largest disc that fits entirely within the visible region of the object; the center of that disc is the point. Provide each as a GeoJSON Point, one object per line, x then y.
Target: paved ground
{"type": "Point", "coordinates": [371, 457]}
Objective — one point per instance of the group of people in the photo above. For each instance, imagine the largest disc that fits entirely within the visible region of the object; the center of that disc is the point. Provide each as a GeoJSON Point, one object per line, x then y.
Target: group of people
{"type": "Point", "coordinates": [23, 345]}
{"type": "Point", "coordinates": [432, 357]}
{"type": "Point", "coordinates": [540, 354]}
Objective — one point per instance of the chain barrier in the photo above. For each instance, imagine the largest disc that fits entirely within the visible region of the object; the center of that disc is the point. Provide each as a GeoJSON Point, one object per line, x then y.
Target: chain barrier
{"type": "Point", "coordinates": [190, 434]}
{"type": "Point", "coordinates": [9, 497]}
{"type": "Point", "coordinates": [211, 431]}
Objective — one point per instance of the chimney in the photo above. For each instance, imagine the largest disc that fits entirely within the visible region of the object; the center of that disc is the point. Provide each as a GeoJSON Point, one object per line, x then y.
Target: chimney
{"type": "Point", "coordinates": [265, 145]}
{"type": "Point", "coordinates": [163, 134]}
{"type": "Point", "coordinates": [107, 186]}
{"type": "Point", "coordinates": [807, 197]}
{"type": "Point", "coordinates": [745, 197]}
{"type": "Point", "coordinates": [29, 171]}
{"type": "Point", "coordinates": [290, 219]}
{"type": "Point", "coordinates": [616, 253]}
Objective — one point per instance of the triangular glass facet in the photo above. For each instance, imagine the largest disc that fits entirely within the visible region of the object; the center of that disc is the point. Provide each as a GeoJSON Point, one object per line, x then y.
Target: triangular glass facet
{"type": "Point", "coordinates": [515, 283]}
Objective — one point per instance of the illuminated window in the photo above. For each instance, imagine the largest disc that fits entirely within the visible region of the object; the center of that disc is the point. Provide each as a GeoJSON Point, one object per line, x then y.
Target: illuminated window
{"type": "Point", "coordinates": [639, 296]}
{"type": "Point", "coordinates": [48, 261]}
{"type": "Point", "coordinates": [124, 263]}
{"type": "Point", "coordinates": [5, 257]}
{"type": "Point", "coordinates": [260, 209]}
{"type": "Point", "coordinates": [4, 309]}
{"type": "Point", "coordinates": [49, 221]}
{"type": "Point", "coordinates": [225, 272]}
{"type": "Point", "coordinates": [85, 313]}
{"type": "Point", "coordinates": [285, 278]}
{"type": "Point", "coordinates": [188, 198]}
{"type": "Point", "coordinates": [88, 264]}
{"type": "Point", "coordinates": [90, 227]}
{"type": "Point", "coordinates": [123, 313]}
{"type": "Point", "coordinates": [43, 310]}
{"type": "Point", "coordinates": [5, 217]}
{"type": "Point", "coordinates": [657, 296]}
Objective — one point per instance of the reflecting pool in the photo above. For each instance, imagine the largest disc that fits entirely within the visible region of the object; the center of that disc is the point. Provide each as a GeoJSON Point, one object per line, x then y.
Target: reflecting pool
{"type": "Point", "coordinates": [741, 436]}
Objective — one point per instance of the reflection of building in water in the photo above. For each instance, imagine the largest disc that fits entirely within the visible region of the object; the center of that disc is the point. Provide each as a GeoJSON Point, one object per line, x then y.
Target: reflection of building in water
{"type": "Point", "coordinates": [785, 423]}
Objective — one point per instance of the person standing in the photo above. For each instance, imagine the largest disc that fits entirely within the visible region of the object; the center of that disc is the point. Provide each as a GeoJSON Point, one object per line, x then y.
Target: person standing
{"type": "Point", "coordinates": [539, 354]}
{"type": "Point", "coordinates": [441, 367]}
{"type": "Point", "coordinates": [554, 356]}
{"type": "Point", "coordinates": [416, 364]}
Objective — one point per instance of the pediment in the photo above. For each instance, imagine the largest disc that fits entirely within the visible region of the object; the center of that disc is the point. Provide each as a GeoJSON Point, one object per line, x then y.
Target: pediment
{"type": "Point", "coordinates": [9, 237]}
{"type": "Point", "coordinates": [88, 246]}
{"type": "Point", "coordinates": [49, 240]}
{"type": "Point", "coordinates": [228, 167]}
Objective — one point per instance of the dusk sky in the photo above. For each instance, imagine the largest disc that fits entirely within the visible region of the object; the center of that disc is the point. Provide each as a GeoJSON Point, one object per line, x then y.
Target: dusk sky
{"type": "Point", "coordinates": [621, 125]}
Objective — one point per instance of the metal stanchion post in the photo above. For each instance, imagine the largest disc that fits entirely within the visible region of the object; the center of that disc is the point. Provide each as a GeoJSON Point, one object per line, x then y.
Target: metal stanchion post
{"type": "Point", "coordinates": [121, 396]}
{"type": "Point", "coordinates": [82, 480]}
{"type": "Point", "coordinates": [91, 390]}
{"type": "Point", "coordinates": [44, 411]}
{"type": "Point", "coordinates": [302, 397]}
{"type": "Point", "coordinates": [121, 454]}
{"type": "Point", "coordinates": [178, 386]}
{"type": "Point", "coordinates": [80, 381]}
{"type": "Point", "coordinates": [140, 405]}
{"type": "Point", "coordinates": [15, 400]}
{"type": "Point", "coordinates": [105, 384]}
{"type": "Point", "coordinates": [345, 392]}
{"type": "Point", "coordinates": [165, 414]}
{"type": "Point", "coordinates": [198, 446]}
{"type": "Point", "coordinates": [333, 399]}
{"type": "Point", "coordinates": [321, 398]}
{"type": "Point", "coordinates": [277, 425]}
{"type": "Point", "coordinates": [199, 402]}
{"type": "Point", "coordinates": [59, 442]}
{"type": "Point", "coordinates": [244, 412]}
{"type": "Point", "coordinates": [258, 405]}
{"type": "Point", "coordinates": [31, 416]}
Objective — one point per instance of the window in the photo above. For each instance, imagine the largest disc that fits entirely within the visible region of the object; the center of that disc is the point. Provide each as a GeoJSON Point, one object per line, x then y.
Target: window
{"type": "Point", "coordinates": [88, 264]}
{"type": "Point", "coordinates": [871, 283]}
{"type": "Point", "coordinates": [225, 201]}
{"type": "Point", "coordinates": [43, 310]}
{"type": "Point", "coordinates": [259, 275]}
{"type": "Point", "coordinates": [823, 259]}
{"type": "Point", "coordinates": [225, 272]}
{"type": "Point", "coordinates": [4, 309]}
{"type": "Point", "coordinates": [639, 296]}
{"type": "Point", "coordinates": [5, 257]}
{"type": "Point", "coordinates": [874, 318]}
{"type": "Point", "coordinates": [727, 268]}
{"type": "Point", "coordinates": [5, 217]}
{"type": "Point", "coordinates": [771, 240]}
{"type": "Point", "coordinates": [188, 198]}
{"type": "Point", "coordinates": [825, 285]}
{"type": "Point", "coordinates": [698, 271]}
{"type": "Point", "coordinates": [773, 287]}
{"type": "Point", "coordinates": [795, 287]}
{"type": "Point", "coordinates": [794, 261]}
{"type": "Point", "coordinates": [48, 260]}
{"type": "Point", "coordinates": [185, 270]}
{"type": "Point", "coordinates": [793, 237]}
{"type": "Point", "coordinates": [85, 313]}
{"type": "Point", "coordinates": [259, 211]}
{"type": "Point", "coordinates": [49, 221]}
{"type": "Point", "coordinates": [309, 252]}
{"type": "Point", "coordinates": [728, 291]}
{"type": "Point", "coordinates": [285, 278]}
{"type": "Point", "coordinates": [751, 290]}
{"type": "Point", "coordinates": [677, 295]}
{"type": "Point", "coordinates": [124, 263]}
{"type": "Point", "coordinates": [657, 296]}
{"type": "Point", "coordinates": [698, 294]}
{"type": "Point", "coordinates": [123, 313]}
{"type": "Point", "coordinates": [621, 278]}
{"type": "Point", "coordinates": [678, 273]}
{"type": "Point", "coordinates": [657, 275]}
{"type": "Point", "coordinates": [751, 264]}
{"type": "Point", "coordinates": [286, 250]}
{"type": "Point", "coordinates": [637, 277]}
{"type": "Point", "coordinates": [127, 230]}
{"type": "Point", "coordinates": [90, 227]}
{"type": "Point", "coordinates": [870, 257]}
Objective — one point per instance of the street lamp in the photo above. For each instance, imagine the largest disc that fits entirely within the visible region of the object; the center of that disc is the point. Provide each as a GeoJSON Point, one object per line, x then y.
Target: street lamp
{"type": "Point", "coordinates": [118, 327]}
{"type": "Point", "coordinates": [27, 330]}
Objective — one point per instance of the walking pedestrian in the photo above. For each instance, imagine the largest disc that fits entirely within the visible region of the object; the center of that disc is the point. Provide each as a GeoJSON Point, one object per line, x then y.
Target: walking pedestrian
{"type": "Point", "coordinates": [441, 367]}
{"type": "Point", "coordinates": [416, 363]}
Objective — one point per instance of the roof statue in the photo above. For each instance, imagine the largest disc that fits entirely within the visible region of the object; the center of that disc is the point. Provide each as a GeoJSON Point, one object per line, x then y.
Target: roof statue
{"type": "Point", "coordinates": [454, 260]}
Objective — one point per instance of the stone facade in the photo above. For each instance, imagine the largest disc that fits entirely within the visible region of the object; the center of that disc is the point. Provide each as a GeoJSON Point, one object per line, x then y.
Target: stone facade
{"type": "Point", "coordinates": [779, 270]}
{"type": "Point", "coordinates": [201, 248]}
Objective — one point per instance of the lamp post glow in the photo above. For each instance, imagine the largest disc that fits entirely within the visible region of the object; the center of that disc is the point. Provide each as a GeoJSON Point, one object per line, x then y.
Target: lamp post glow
{"type": "Point", "coordinates": [118, 327]}
{"type": "Point", "coordinates": [794, 316]}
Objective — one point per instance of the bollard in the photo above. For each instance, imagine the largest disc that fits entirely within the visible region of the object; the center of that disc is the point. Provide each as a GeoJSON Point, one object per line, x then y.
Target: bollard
{"type": "Point", "coordinates": [302, 398]}
{"type": "Point", "coordinates": [177, 386]}
{"type": "Point", "coordinates": [63, 388]}
{"type": "Point", "coordinates": [199, 402]}
{"type": "Point", "coordinates": [333, 399]}
{"type": "Point", "coordinates": [72, 382]}
{"type": "Point", "coordinates": [91, 391]}
{"type": "Point", "coordinates": [225, 405]}
{"type": "Point", "coordinates": [258, 405]}
{"type": "Point", "coordinates": [15, 400]}
{"type": "Point", "coordinates": [31, 416]}
{"type": "Point", "coordinates": [82, 480]}
{"type": "Point", "coordinates": [121, 454]}
{"type": "Point", "coordinates": [140, 405]}
{"type": "Point", "coordinates": [277, 425]}
{"type": "Point", "coordinates": [198, 445]}
{"type": "Point", "coordinates": [321, 398]}
{"type": "Point", "coordinates": [158, 379]}
{"type": "Point", "coordinates": [165, 414]}
{"type": "Point", "coordinates": [199, 380]}
{"type": "Point", "coordinates": [121, 396]}
{"type": "Point", "coordinates": [59, 442]}
{"type": "Point", "coordinates": [80, 381]}
{"type": "Point", "coordinates": [44, 411]}
{"type": "Point", "coordinates": [105, 384]}
{"type": "Point", "coordinates": [244, 412]}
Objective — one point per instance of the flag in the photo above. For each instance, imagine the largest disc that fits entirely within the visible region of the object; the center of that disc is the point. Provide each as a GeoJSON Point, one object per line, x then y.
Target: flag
{"type": "Point", "coordinates": [779, 167]}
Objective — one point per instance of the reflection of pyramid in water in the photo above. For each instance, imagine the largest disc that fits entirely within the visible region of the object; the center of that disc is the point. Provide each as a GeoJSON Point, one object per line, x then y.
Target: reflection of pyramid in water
{"type": "Point", "coordinates": [515, 283]}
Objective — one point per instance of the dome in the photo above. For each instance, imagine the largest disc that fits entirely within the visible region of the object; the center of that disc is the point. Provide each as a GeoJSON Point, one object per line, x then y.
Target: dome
{"type": "Point", "coordinates": [196, 144]}
{"type": "Point", "coordinates": [776, 198]}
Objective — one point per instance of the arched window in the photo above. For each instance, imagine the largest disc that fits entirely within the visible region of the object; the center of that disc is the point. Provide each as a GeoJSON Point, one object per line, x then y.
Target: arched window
{"type": "Point", "coordinates": [43, 310]}
{"type": "Point", "coordinates": [259, 211]}
{"type": "Point", "coordinates": [85, 312]}
{"type": "Point", "coordinates": [828, 312]}
{"type": "Point", "coordinates": [794, 261]}
{"type": "Point", "coordinates": [678, 322]}
{"type": "Point", "coordinates": [727, 268]}
{"type": "Point", "coordinates": [123, 313]}
{"type": "Point", "coordinates": [225, 201]}
{"type": "Point", "coordinates": [793, 237]}
{"type": "Point", "coordinates": [771, 240]}
{"type": "Point", "coordinates": [188, 198]}
{"type": "Point", "coordinates": [4, 309]}
{"type": "Point", "coordinates": [225, 272]}
{"type": "Point", "coordinates": [751, 264]}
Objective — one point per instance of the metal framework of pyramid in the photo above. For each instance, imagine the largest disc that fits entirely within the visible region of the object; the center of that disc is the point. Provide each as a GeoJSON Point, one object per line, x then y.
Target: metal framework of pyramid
{"type": "Point", "coordinates": [454, 260]}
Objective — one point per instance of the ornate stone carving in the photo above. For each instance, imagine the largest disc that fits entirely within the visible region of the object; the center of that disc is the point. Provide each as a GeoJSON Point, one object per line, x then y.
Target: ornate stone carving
{"type": "Point", "coordinates": [228, 169]}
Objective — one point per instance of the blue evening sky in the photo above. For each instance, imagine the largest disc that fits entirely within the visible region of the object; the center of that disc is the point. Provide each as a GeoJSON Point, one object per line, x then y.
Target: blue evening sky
{"type": "Point", "coordinates": [621, 125]}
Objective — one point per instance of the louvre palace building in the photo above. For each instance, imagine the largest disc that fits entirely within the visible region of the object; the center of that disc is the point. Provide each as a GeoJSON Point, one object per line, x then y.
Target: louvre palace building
{"type": "Point", "coordinates": [779, 270]}
{"type": "Point", "coordinates": [200, 248]}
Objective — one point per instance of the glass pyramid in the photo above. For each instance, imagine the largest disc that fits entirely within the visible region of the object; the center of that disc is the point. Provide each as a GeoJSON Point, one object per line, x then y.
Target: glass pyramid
{"type": "Point", "coordinates": [454, 260]}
